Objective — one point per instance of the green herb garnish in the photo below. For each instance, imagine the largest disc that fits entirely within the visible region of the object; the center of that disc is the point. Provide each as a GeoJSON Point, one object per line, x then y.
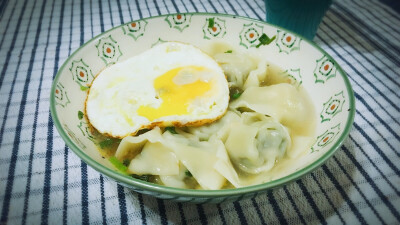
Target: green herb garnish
{"type": "Point", "coordinates": [80, 115]}
{"type": "Point", "coordinates": [142, 177]}
{"type": "Point", "coordinates": [188, 173]}
{"type": "Point", "coordinates": [265, 40]}
{"type": "Point", "coordinates": [171, 129]}
{"type": "Point", "coordinates": [84, 88]}
{"type": "Point", "coordinates": [235, 92]}
{"type": "Point", "coordinates": [210, 22]}
{"type": "Point", "coordinates": [119, 165]}
{"type": "Point", "coordinates": [236, 95]}
{"type": "Point", "coordinates": [229, 51]}
{"type": "Point", "coordinates": [106, 143]}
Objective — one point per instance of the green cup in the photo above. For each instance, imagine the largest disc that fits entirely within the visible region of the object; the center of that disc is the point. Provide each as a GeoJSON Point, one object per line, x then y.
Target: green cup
{"type": "Point", "coordinates": [300, 16]}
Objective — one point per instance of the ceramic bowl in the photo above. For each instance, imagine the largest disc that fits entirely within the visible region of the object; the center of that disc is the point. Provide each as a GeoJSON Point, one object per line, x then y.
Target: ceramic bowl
{"type": "Point", "coordinates": [302, 60]}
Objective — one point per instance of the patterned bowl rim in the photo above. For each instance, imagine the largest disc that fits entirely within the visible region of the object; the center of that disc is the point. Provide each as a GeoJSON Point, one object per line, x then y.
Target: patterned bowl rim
{"type": "Point", "coordinates": [146, 186]}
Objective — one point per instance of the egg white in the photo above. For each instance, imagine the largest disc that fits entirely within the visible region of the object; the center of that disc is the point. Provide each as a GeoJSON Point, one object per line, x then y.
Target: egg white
{"type": "Point", "coordinates": [122, 90]}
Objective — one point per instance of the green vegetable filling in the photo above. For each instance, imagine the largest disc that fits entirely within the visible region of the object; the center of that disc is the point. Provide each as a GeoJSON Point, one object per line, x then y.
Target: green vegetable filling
{"type": "Point", "coordinates": [236, 95]}
{"type": "Point", "coordinates": [188, 173]}
{"type": "Point", "coordinates": [126, 162]}
{"type": "Point", "coordinates": [171, 129]}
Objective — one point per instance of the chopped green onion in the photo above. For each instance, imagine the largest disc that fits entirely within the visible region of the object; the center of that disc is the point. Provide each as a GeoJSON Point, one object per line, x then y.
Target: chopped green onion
{"type": "Point", "coordinates": [235, 92]}
{"type": "Point", "coordinates": [84, 88]}
{"type": "Point", "coordinates": [142, 177]}
{"type": "Point", "coordinates": [106, 143]}
{"type": "Point", "coordinates": [236, 95]}
{"type": "Point", "coordinates": [210, 22]}
{"type": "Point", "coordinates": [119, 165]}
{"type": "Point", "coordinates": [271, 40]}
{"type": "Point", "coordinates": [229, 51]}
{"type": "Point", "coordinates": [171, 129]}
{"type": "Point", "coordinates": [80, 115]}
{"type": "Point", "coordinates": [265, 40]}
{"type": "Point", "coordinates": [188, 173]}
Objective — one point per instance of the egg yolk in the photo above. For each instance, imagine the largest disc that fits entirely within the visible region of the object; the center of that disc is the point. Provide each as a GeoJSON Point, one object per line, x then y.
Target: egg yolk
{"type": "Point", "coordinates": [175, 98]}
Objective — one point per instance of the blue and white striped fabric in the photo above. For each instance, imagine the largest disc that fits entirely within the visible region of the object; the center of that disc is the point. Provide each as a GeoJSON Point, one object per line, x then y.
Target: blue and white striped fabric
{"type": "Point", "coordinates": [42, 181]}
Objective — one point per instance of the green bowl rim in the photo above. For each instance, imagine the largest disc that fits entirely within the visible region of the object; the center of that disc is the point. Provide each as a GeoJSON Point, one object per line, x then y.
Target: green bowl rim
{"type": "Point", "coordinates": [146, 186]}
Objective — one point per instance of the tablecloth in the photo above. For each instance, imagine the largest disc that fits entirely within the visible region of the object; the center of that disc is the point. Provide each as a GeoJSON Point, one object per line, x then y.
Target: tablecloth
{"type": "Point", "coordinates": [43, 182]}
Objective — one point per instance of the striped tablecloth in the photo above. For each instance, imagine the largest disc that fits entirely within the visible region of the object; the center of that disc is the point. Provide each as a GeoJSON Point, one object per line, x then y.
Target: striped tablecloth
{"type": "Point", "coordinates": [42, 181]}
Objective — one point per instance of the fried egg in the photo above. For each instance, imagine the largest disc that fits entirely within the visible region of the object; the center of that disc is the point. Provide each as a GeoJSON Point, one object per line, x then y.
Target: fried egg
{"type": "Point", "coordinates": [171, 84]}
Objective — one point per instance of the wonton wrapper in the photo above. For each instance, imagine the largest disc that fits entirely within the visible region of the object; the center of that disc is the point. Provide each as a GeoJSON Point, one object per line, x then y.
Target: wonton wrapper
{"type": "Point", "coordinates": [161, 154]}
{"type": "Point", "coordinates": [176, 181]}
{"type": "Point", "coordinates": [155, 159]}
{"type": "Point", "coordinates": [218, 129]}
{"type": "Point", "coordinates": [256, 143]}
{"type": "Point", "coordinates": [132, 145]}
{"type": "Point", "coordinates": [199, 158]}
{"type": "Point", "coordinates": [147, 154]}
{"type": "Point", "coordinates": [257, 76]}
{"type": "Point", "coordinates": [283, 102]}
{"type": "Point", "coordinates": [236, 67]}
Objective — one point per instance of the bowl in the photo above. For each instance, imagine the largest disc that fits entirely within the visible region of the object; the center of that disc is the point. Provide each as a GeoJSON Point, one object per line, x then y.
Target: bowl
{"type": "Point", "coordinates": [302, 60]}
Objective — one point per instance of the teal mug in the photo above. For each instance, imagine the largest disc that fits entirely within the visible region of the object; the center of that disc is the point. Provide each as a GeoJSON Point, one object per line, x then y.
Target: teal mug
{"type": "Point", "coordinates": [300, 16]}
